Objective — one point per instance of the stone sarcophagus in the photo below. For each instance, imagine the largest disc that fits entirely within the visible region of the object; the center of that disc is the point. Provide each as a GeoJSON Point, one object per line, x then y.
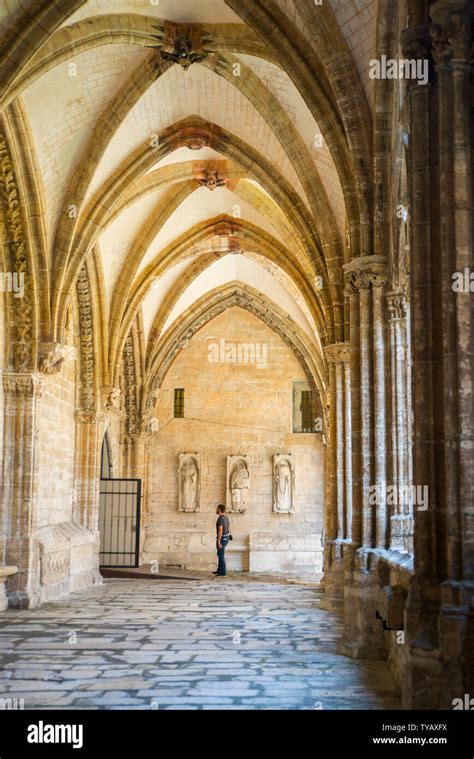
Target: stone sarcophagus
{"type": "Point", "coordinates": [67, 559]}
{"type": "Point", "coordinates": [284, 483]}
{"type": "Point", "coordinates": [189, 482]}
{"type": "Point", "coordinates": [5, 573]}
{"type": "Point", "coordinates": [238, 484]}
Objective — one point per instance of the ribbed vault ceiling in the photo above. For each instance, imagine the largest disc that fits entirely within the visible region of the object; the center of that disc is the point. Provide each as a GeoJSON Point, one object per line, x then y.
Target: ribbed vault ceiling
{"type": "Point", "coordinates": [130, 141]}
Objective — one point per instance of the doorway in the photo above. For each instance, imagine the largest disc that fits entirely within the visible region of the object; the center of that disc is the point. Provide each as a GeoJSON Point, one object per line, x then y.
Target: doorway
{"type": "Point", "coordinates": [119, 516]}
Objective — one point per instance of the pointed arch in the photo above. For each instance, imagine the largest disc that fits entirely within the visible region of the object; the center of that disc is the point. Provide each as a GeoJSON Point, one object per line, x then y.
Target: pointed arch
{"type": "Point", "coordinates": [217, 302]}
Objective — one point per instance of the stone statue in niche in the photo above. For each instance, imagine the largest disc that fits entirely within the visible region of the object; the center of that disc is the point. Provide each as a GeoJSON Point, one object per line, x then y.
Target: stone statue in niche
{"type": "Point", "coordinates": [189, 482]}
{"type": "Point", "coordinates": [284, 483]}
{"type": "Point", "coordinates": [238, 483]}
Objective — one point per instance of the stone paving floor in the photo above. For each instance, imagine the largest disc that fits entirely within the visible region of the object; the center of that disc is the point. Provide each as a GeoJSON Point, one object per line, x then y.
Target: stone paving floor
{"type": "Point", "coordinates": [245, 642]}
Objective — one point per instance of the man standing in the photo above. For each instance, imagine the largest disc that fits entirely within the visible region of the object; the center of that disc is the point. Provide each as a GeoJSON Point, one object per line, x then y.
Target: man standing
{"type": "Point", "coordinates": [223, 537]}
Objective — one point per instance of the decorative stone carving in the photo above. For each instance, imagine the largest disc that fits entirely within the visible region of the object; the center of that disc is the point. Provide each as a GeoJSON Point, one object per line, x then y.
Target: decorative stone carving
{"type": "Point", "coordinates": [54, 567]}
{"type": "Point", "coordinates": [212, 179]}
{"type": "Point", "coordinates": [92, 417]}
{"type": "Point", "coordinates": [451, 34]}
{"type": "Point", "coordinates": [112, 402]}
{"type": "Point", "coordinates": [364, 273]}
{"type": "Point", "coordinates": [238, 484]}
{"type": "Point", "coordinates": [150, 426]}
{"type": "Point", "coordinates": [284, 483]}
{"type": "Point", "coordinates": [195, 138]}
{"type": "Point", "coordinates": [130, 394]}
{"type": "Point", "coordinates": [51, 357]}
{"type": "Point", "coordinates": [22, 309]}
{"type": "Point", "coordinates": [416, 44]}
{"type": "Point", "coordinates": [189, 482]}
{"type": "Point", "coordinates": [397, 305]}
{"type": "Point", "coordinates": [181, 44]}
{"type": "Point", "coordinates": [25, 385]}
{"type": "Point", "coordinates": [338, 353]}
{"type": "Point", "coordinates": [87, 387]}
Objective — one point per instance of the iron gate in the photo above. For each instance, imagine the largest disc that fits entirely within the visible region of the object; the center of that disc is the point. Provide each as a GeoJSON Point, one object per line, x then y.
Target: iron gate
{"type": "Point", "coordinates": [119, 522]}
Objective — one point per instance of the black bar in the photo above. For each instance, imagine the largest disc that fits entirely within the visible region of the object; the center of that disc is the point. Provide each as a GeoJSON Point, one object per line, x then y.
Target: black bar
{"type": "Point", "coordinates": [347, 733]}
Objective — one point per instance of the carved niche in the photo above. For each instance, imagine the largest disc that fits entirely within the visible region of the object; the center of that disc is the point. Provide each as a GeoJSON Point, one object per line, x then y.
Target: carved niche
{"type": "Point", "coordinates": [284, 483]}
{"type": "Point", "coordinates": [189, 482]}
{"type": "Point", "coordinates": [238, 484]}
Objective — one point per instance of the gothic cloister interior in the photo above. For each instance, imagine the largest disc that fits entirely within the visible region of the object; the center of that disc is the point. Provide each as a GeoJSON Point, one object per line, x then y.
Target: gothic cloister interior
{"type": "Point", "coordinates": [236, 268]}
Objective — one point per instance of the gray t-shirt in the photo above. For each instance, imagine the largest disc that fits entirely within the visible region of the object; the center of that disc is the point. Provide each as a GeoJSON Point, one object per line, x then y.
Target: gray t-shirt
{"type": "Point", "coordinates": [223, 521]}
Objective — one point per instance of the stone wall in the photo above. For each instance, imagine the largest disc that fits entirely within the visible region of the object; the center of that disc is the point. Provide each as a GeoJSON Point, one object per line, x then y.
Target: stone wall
{"type": "Point", "coordinates": [56, 432]}
{"type": "Point", "coordinates": [66, 549]}
{"type": "Point", "coordinates": [54, 551]}
{"type": "Point", "coordinates": [233, 409]}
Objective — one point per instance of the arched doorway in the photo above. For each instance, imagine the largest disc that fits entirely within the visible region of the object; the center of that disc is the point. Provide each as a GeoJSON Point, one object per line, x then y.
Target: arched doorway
{"type": "Point", "coordinates": [119, 515]}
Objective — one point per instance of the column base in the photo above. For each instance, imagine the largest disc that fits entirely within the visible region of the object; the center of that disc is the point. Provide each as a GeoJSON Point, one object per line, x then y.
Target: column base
{"type": "Point", "coordinates": [23, 599]}
{"type": "Point", "coordinates": [333, 598]}
{"type": "Point", "coordinates": [364, 636]}
{"type": "Point", "coordinates": [438, 670]}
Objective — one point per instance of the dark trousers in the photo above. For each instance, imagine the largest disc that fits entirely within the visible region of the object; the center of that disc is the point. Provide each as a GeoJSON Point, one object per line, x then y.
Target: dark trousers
{"type": "Point", "coordinates": [221, 567]}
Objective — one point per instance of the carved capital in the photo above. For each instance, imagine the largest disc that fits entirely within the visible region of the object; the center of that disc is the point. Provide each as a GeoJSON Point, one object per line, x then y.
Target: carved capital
{"type": "Point", "coordinates": [51, 357]}
{"type": "Point", "coordinates": [23, 385]}
{"type": "Point", "coordinates": [337, 353]}
{"type": "Point", "coordinates": [84, 416]}
{"type": "Point", "coordinates": [416, 42]}
{"type": "Point", "coordinates": [451, 31]}
{"type": "Point", "coordinates": [397, 305]}
{"type": "Point", "coordinates": [365, 273]}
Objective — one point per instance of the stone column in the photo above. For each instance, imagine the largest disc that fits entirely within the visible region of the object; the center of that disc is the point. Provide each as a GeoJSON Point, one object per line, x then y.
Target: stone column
{"type": "Point", "coordinates": [339, 492]}
{"type": "Point", "coordinates": [401, 514]}
{"type": "Point", "coordinates": [126, 454]}
{"type": "Point", "coordinates": [90, 430]}
{"type": "Point", "coordinates": [381, 409]}
{"type": "Point", "coordinates": [363, 632]}
{"type": "Point", "coordinates": [423, 600]}
{"type": "Point", "coordinates": [452, 34]}
{"type": "Point", "coordinates": [148, 436]}
{"type": "Point", "coordinates": [22, 393]}
{"type": "Point", "coordinates": [348, 446]}
{"type": "Point", "coordinates": [439, 616]}
{"type": "Point", "coordinates": [137, 463]}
